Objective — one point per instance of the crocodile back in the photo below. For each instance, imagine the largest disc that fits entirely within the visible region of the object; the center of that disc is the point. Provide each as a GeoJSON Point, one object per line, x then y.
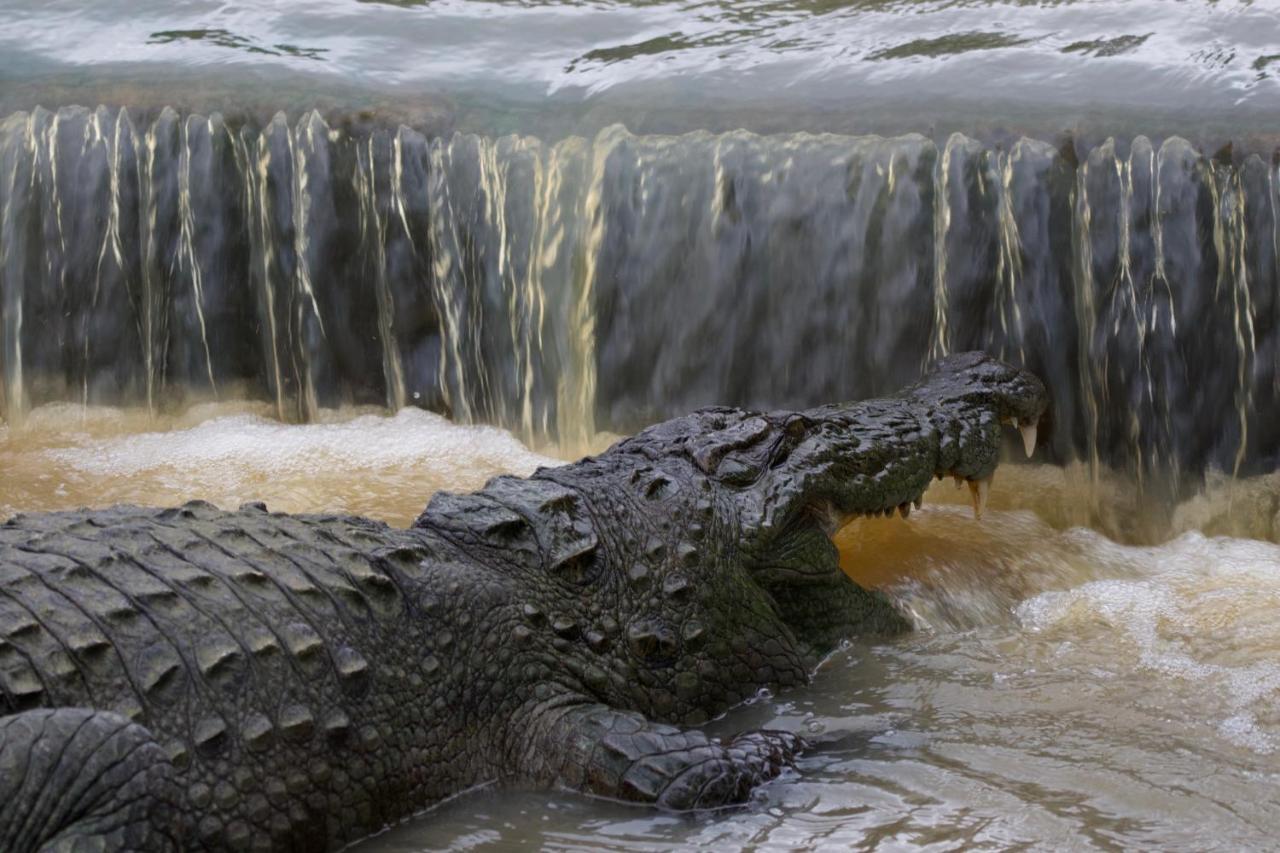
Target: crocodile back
{"type": "Point", "coordinates": [239, 639]}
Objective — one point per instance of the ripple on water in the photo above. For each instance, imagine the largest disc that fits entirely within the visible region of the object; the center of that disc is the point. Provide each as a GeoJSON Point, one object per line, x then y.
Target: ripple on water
{"type": "Point", "coordinates": [769, 63]}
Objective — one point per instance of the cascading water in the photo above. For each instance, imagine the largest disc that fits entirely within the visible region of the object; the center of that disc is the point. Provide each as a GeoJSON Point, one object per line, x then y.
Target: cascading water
{"type": "Point", "coordinates": [600, 284]}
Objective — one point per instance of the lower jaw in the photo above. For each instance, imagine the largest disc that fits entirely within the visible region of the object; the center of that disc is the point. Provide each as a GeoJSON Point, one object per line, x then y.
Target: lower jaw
{"type": "Point", "coordinates": [824, 614]}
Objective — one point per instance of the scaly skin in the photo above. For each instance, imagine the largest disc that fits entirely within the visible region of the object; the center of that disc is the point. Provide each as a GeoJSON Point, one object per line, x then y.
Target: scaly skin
{"type": "Point", "coordinates": [193, 678]}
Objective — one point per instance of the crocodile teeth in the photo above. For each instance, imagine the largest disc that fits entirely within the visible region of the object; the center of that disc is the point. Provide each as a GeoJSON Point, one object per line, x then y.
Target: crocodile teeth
{"type": "Point", "coordinates": [1028, 438]}
{"type": "Point", "coordinates": [919, 502]}
{"type": "Point", "coordinates": [904, 510]}
{"type": "Point", "coordinates": [979, 490]}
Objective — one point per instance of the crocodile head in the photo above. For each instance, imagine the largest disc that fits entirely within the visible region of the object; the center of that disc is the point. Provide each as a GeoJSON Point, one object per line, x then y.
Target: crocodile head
{"type": "Point", "coordinates": [692, 564]}
{"type": "Point", "coordinates": [812, 472]}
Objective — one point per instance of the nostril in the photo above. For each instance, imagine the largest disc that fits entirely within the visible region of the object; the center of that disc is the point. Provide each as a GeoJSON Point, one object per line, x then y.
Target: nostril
{"type": "Point", "coordinates": [660, 487]}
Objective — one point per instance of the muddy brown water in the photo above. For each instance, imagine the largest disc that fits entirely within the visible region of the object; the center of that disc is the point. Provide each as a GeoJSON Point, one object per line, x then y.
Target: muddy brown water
{"type": "Point", "coordinates": [1067, 688]}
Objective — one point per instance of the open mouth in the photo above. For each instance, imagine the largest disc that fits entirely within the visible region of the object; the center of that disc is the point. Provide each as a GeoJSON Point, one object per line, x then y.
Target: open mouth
{"type": "Point", "coordinates": [830, 519]}
{"type": "Point", "coordinates": [980, 489]}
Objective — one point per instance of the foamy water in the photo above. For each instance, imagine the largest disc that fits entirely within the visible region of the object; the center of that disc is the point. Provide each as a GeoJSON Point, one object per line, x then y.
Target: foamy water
{"type": "Point", "coordinates": [1199, 615]}
{"type": "Point", "coordinates": [375, 464]}
{"type": "Point", "coordinates": [1068, 687]}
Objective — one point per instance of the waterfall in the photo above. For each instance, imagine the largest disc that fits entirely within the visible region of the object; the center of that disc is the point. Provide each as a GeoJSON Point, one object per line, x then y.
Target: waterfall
{"type": "Point", "coordinates": [560, 288]}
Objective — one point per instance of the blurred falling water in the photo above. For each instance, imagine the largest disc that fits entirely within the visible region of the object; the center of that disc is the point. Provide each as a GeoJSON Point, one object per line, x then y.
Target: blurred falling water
{"type": "Point", "coordinates": [562, 288]}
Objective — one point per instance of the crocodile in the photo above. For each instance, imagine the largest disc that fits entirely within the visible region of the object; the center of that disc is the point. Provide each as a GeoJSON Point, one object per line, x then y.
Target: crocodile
{"type": "Point", "coordinates": [194, 678]}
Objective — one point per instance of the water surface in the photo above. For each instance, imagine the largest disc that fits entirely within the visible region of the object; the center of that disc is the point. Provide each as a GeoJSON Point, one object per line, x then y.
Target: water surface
{"type": "Point", "coordinates": [548, 66]}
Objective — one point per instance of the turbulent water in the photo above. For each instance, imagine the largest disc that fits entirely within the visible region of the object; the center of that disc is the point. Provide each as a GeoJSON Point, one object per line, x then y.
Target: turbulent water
{"type": "Point", "coordinates": [1062, 691]}
{"type": "Point", "coordinates": [343, 254]}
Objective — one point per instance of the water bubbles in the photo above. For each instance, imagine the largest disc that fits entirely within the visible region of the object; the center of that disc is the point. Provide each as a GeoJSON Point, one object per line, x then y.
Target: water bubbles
{"type": "Point", "coordinates": [1200, 619]}
{"type": "Point", "coordinates": [1242, 730]}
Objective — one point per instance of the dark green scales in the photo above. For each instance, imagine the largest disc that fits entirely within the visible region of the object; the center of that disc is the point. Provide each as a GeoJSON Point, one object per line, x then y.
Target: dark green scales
{"type": "Point", "coordinates": [192, 678]}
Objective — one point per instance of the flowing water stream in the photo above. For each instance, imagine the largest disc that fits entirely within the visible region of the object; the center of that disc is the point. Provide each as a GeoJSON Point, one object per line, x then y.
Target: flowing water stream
{"type": "Point", "coordinates": [344, 254]}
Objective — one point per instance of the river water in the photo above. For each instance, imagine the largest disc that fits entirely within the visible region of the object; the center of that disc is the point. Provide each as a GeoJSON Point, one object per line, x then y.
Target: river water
{"type": "Point", "coordinates": [1062, 690]}
{"type": "Point", "coordinates": [555, 66]}
{"type": "Point", "coordinates": [343, 254]}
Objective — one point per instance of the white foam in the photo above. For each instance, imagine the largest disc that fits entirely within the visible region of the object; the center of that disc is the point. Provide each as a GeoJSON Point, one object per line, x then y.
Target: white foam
{"type": "Point", "coordinates": [1201, 619]}
{"type": "Point", "coordinates": [410, 438]}
{"type": "Point", "coordinates": [385, 466]}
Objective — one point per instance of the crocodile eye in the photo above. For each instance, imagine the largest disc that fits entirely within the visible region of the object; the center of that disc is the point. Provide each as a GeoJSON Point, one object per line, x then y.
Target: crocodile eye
{"type": "Point", "coordinates": [741, 469]}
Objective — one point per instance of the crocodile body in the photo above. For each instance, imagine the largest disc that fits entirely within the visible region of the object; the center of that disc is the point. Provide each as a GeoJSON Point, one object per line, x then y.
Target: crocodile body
{"type": "Point", "coordinates": [196, 678]}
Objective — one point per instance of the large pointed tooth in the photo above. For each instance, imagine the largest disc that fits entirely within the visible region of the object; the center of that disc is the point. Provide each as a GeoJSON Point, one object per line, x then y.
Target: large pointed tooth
{"type": "Point", "coordinates": [904, 510]}
{"type": "Point", "coordinates": [980, 490]}
{"type": "Point", "coordinates": [1028, 438]}
{"type": "Point", "coordinates": [959, 480]}
{"type": "Point", "coordinates": [918, 502]}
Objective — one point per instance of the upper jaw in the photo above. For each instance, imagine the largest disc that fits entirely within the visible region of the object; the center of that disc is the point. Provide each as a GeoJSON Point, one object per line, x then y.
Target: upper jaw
{"type": "Point", "coordinates": [881, 455]}
{"type": "Point", "coordinates": [974, 380]}
{"type": "Point", "coordinates": [832, 463]}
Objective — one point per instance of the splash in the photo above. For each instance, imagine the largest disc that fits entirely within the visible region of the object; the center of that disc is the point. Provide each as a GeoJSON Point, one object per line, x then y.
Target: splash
{"type": "Point", "coordinates": [1197, 616]}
